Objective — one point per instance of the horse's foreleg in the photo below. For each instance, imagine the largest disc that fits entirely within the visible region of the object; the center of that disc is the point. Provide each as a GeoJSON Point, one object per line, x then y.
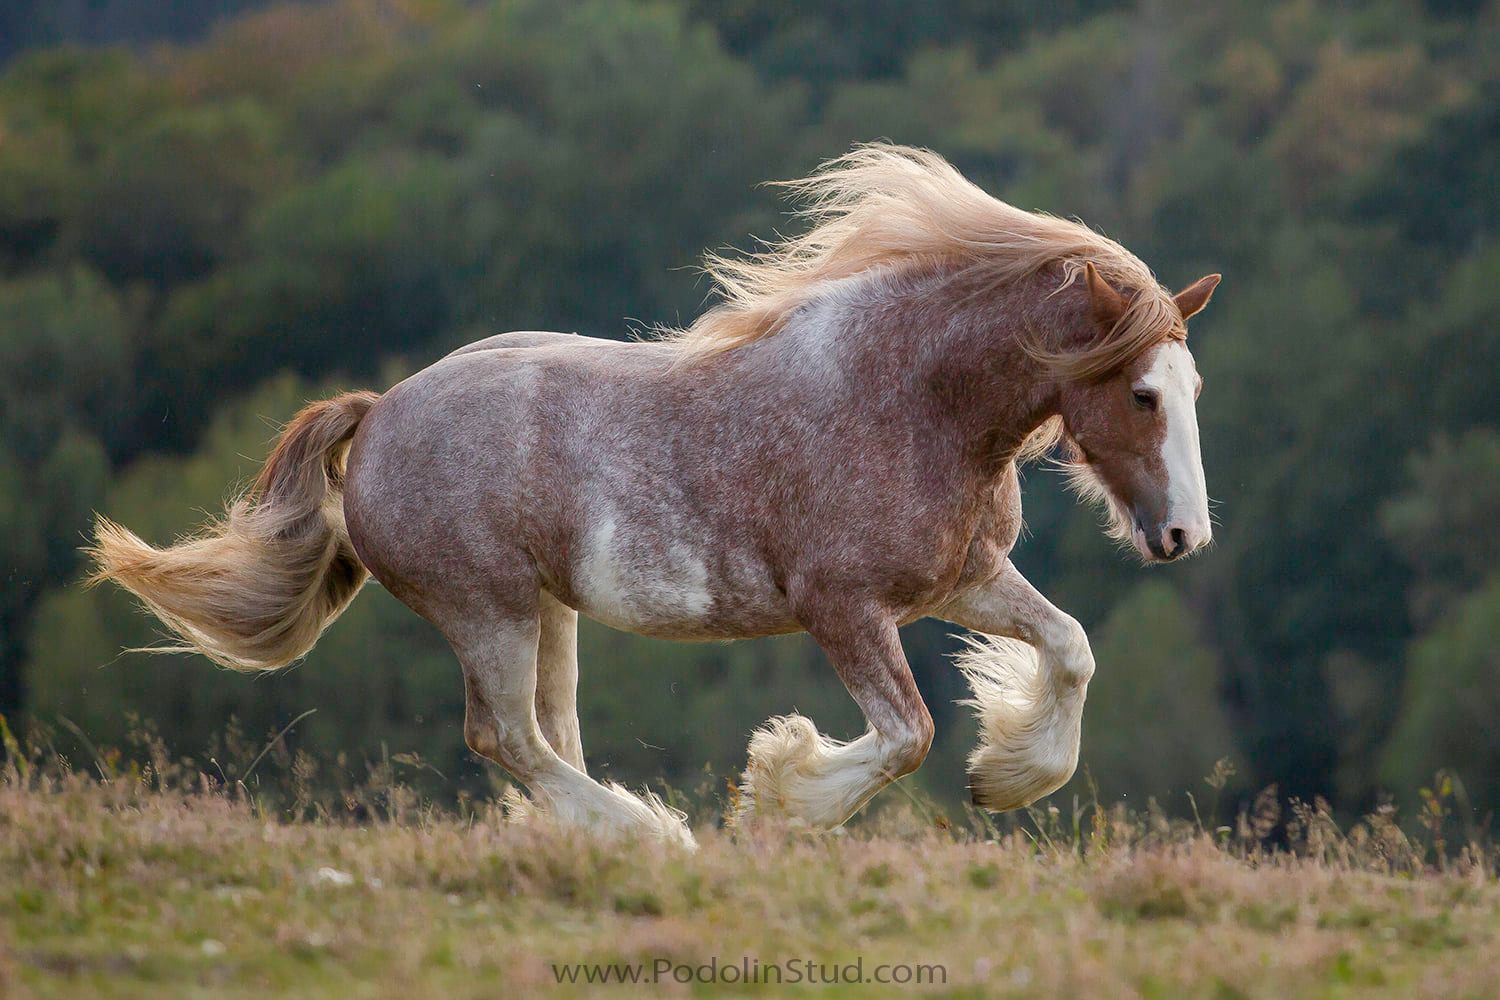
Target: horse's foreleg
{"type": "Point", "coordinates": [499, 659]}
{"type": "Point", "coordinates": [557, 680]}
{"type": "Point", "coordinates": [797, 771]}
{"type": "Point", "coordinates": [1030, 674]}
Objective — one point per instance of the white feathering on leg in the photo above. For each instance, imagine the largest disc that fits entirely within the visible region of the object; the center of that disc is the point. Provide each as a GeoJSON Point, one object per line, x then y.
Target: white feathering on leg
{"type": "Point", "coordinates": [1030, 720]}
{"type": "Point", "coordinates": [606, 808]}
{"type": "Point", "coordinates": [796, 771]}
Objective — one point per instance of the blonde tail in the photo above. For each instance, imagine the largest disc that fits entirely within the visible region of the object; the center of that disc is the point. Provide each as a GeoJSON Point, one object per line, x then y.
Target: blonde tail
{"type": "Point", "coordinates": [254, 589]}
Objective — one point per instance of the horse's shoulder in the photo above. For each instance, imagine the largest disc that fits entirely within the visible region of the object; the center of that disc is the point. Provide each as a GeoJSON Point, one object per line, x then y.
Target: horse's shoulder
{"type": "Point", "coordinates": [997, 530]}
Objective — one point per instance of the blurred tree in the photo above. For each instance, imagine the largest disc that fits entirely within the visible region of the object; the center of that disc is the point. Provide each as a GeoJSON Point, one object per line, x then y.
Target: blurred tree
{"type": "Point", "coordinates": [64, 361]}
{"type": "Point", "coordinates": [1308, 426]}
{"type": "Point", "coordinates": [1443, 524]}
{"type": "Point", "coordinates": [57, 110]}
{"type": "Point", "coordinates": [1356, 105]}
{"type": "Point", "coordinates": [37, 182]}
{"type": "Point", "coordinates": [94, 96]}
{"type": "Point", "coordinates": [166, 201]}
{"type": "Point", "coordinates": [1153, 671]}
{"type": "Point", "coordinates": [28, 23]}
{"type": "Point", "coordinates": [1439, 189]}
{"type": "Point", "coordinates": [846, 39]}
{"type": "Point", "coordinates": [1448, 709]}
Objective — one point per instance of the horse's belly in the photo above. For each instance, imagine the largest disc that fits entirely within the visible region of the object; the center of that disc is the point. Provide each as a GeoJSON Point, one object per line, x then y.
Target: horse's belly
{"type": "Point", "coordinates": [671, 589]}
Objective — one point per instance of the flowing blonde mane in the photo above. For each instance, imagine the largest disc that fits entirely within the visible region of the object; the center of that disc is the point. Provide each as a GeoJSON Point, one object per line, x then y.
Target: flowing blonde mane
{"type": "Point", "coordinates": [895, 206]}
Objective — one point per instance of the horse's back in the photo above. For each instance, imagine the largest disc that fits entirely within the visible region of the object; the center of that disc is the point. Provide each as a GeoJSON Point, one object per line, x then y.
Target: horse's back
{"type": "Point", "coordinates": [528, 338]}
{"type": "Point", "coordinates": [488, 403]}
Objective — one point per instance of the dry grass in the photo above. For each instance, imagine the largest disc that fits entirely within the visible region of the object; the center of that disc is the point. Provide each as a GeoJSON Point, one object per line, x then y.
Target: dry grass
{"type": "Point", "coordinates": [158, 882]}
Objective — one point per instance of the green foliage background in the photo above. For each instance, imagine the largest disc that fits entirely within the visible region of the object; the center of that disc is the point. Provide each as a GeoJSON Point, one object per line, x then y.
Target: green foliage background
{"type": "Point", "coordinates": [197, 236]}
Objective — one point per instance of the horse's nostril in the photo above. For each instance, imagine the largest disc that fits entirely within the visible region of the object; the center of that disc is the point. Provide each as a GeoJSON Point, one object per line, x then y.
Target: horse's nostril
{"type": "Point", "coordinates": [1179, 542]}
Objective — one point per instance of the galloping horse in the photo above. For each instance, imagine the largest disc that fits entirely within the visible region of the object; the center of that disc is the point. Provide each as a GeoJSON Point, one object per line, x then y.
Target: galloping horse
{"type": "Point", "coordinates": [832, 448]}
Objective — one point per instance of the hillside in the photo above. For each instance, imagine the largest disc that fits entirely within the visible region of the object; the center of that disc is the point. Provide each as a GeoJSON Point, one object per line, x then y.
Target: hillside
{"type": "Point", "coordinates": [134, 887]}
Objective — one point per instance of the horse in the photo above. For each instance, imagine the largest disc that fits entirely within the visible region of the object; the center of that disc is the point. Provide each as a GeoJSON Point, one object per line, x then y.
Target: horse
{"type": "Point", "coordinates": [831, 448]}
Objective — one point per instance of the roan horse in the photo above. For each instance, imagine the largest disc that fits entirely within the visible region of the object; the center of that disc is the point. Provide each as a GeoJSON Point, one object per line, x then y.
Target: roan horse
{"type": "Point", "coordinates": [832, 448]}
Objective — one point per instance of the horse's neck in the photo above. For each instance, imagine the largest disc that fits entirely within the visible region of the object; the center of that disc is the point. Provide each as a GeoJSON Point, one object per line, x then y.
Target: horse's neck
{"type": "Point", "coordinates": [950, 344]}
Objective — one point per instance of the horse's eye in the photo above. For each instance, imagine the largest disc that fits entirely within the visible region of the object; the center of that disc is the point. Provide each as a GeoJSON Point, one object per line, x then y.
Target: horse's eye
{"type": "Point", "coordinates": [1146, 399]}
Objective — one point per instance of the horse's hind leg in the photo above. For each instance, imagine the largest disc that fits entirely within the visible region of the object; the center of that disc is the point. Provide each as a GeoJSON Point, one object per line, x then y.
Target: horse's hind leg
{"type": "Point", "coordinates": [557, 680]}
{"type": "Point", "coordinates": [499, 658]}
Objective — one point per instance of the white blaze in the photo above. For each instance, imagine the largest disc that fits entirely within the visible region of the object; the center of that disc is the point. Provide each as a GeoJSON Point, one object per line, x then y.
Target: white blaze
{"type": "Point", "coordinates": [1175, 378]}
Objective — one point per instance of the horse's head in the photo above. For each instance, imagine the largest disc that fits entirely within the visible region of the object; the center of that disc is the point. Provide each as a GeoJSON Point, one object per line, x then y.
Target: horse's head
{"type": "Point", "coordinates": [1134, 434]}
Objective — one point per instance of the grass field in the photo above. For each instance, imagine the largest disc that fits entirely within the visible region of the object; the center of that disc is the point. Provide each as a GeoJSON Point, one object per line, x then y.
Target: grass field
{"type": "Point", "coordinates": [137, 886]}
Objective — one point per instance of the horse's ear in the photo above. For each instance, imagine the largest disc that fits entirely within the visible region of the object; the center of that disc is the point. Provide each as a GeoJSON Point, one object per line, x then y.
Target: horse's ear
{"type": "Point", "coordinates": [1105, 304]}
{"type": "Point", "coordinates": [1194, 297]}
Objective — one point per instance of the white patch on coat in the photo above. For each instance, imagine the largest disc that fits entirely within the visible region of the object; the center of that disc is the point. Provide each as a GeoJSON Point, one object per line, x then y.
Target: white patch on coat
{"type": "Point", "coordinates": [818, 335]}
{"type": "Point", "coordinates": [621, 586]}
{"type": "Point", "coordinates": [600, 583]}
{"type": "Point", "coordinates": [809, 347]}
{"type": "Point", "coordinates": [688, 589]}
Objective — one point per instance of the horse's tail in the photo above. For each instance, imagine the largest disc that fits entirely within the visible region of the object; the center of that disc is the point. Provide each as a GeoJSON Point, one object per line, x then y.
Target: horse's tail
{"type": "Point", "coordinates": [254, 589]}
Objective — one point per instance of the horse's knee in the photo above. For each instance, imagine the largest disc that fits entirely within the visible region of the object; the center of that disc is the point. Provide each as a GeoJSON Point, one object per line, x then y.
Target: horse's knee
{"type": "Point", "coordinates": [910, 747]}
{"type": "Point", "coordinates": [1069, 653]}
